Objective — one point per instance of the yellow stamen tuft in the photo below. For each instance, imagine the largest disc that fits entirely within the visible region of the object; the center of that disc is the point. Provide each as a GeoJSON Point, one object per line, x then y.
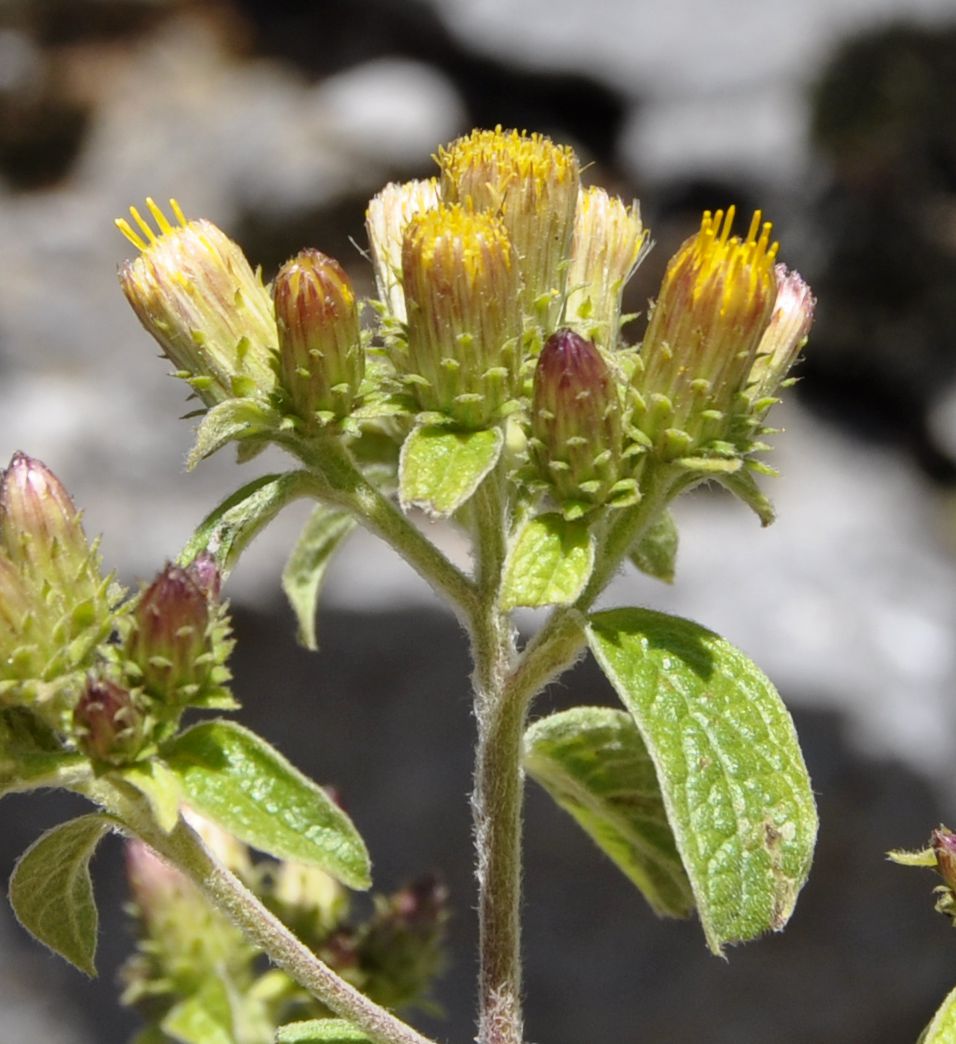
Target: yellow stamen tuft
{"type": "Point", "coordinates": [148, 237]}
{"type": "Point", "coordinates": [475, 238]}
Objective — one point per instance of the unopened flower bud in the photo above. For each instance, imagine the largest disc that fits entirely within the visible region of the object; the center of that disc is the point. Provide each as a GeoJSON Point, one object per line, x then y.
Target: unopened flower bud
{"type": "Point", "coordinates": [784, 337]}
{"type": "Point", "coordinates": [464, 318]}
{"type": "Point", "coordinates": [609, 243]}
{"type": "Point", "coordinates": [321, 362]}
{"type": "Point", "coordinates": [194, 291]}
{"type": "Point", "coordinates": [533, 185]}
{"type": "Point", "coordinates": [55, 606]}
{"type": "Point", "coordinates": [386, 219]}
{"type": "Point", "coordinates": [943, 842]}
{"type": "Point", "coordinates": [107, 724]}
{"type": "Point", "coordinates": [172, 642]}
{"type": "Point", "coordinates": [39, 523]}
{"type": "Point", "coordinates": [714, 306]}
{"type": "Point", "coordinates": [576, 421]}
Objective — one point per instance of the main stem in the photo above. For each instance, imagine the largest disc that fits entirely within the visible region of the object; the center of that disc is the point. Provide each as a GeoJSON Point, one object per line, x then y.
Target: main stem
{"type": "Point", "coordinates": [497, 796]}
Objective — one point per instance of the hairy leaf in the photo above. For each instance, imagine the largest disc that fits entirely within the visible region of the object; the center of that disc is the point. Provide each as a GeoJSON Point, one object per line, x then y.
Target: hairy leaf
{"type": "Point", "coordinates": [321, 1031]}
{"type": "Point", "coordinates": [302, 577]}
{"type": "Point", "coordinates": [233, 419]}
{"type": "Point", "coordinates": [234, 777]}
{"type": "Point", "coordinates": [656, 552]}
{"type": "Point", "coordinates": [227, 530]}
{"type": "Point", "coordinates": [440, 469]}
{"type": "Point", "coordinates": [594, 764]}
{"type": "Point", "coordinates": [51, 892]}
{"type": "Point", "coordinates": [549, 562]}
{"type": "Point", "coordinates": [729, 766]}
{"type": "Point", "coordinates": [942, 1030]}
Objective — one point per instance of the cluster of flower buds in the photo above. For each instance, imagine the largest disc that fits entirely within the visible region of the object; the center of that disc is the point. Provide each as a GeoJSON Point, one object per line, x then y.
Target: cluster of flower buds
{"type": "Point", "coordinates": [56, 609]}
{"type": "Point", "coordinates": [485, 276]}
{"type": "Point", "coordinates": [186, 947]}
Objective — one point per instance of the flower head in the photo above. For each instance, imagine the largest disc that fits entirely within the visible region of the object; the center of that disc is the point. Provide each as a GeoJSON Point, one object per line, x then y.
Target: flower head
{"type": "Point", "coordinates": [386, 219]}
{"type": "Point", "coordinates": [464, 320]}
{"type": "Point", "coordinates": [194, 291]}
{"type": "Point", "coordinates": [785, 336]}
{"type": "Point", "coordinates": [609, 243]}
{"type": "Point", "coordinates": [321, 361]}
{"type": "Point", "coordinates": [107, 724]}
{"type": "Point", "coordinates": [715, 304]}
{"type": "Point", "coordinates": [532, 184]}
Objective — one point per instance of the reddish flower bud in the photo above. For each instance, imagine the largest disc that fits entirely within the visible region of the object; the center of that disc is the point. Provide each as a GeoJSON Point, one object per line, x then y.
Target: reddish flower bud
{"type": "Point", "coordinates": [944, 847]}
{"type": "Point", "coordinates": [170, 642]}
{"type": "Point", "coordinates": [107, 724]}
{"type": "Point", "coordinates": [576, 420]}
{"type": "Point", "coordinates": [321, 360]}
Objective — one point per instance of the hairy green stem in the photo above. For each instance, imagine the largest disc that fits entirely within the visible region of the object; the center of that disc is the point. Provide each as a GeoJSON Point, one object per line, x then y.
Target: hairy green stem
{"type": "Point", "coordinates": [497, 796]}
{"type": "Point", "coordinates": [183, 849]}
{"type": "Point", "coordinates": [337, 480]}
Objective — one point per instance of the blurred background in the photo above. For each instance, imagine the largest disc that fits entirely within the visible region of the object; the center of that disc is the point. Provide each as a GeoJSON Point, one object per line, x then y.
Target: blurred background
{"type": "Point", "coordinates": [277, 120]}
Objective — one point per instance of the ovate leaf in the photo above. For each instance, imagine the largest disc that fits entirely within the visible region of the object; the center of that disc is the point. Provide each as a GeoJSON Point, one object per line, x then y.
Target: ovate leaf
{"type": "Point", "coordinates": [730, 770]}
{"type": "Point", "coordinates": [594, 764]}
{"type": "Point", "coordinates": [549, 562]}
{"type": "Point", "coordinates": [744, 486]}
{"type": "Point", "coordinates": [656, 552]}
{"type": "Point", "coordinates": [227, 530]}
{"type": "Point", "coordinates": [305, 569]}
{"type": "Point", "coordinates": [238, 418]}
{"type": "Point", "coordinates": [234, 777]}
{"type": "Point", "coordinates": [321, 1031]}
{"type": "Point", "coordinates": [942, 1030]}
{"type": "Point", "coordinates": [52, 894]}
{"type": "Point", "coordinates": [440, 469]}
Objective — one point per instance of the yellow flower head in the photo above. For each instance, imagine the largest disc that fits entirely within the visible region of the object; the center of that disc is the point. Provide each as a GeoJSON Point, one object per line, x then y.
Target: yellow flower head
{"type": "Point", "coordinates": [714, 305]}
{"type": "Point", "coordinates": [195, 292]}
{"type": "Point", "coordinates": [610, 241]}
{"type": "Point", "coordinates": [464, 318]}
{"type": "Point", "coordinates": [533, 185]}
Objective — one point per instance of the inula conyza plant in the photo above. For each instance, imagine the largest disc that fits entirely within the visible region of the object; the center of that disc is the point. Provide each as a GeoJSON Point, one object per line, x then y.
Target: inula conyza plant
{"type": "Point", "coordinates": [492, 383]}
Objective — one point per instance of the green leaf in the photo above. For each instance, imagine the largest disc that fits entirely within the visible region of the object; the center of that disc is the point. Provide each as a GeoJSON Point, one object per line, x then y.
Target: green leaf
{"type": "Point", "coordinates": [728, 763]}
{"type": "Point", "coordinates": [159, 786]}
{"type": "Point", "coordinates": [440, 469]}
{"type": "Point", "coordinates": [321, 1031]}
{"type": "Point", "coordinates": [656, 552]}
{"type": "Point", "coordinates": [942, 1030]}
{"type": "Point", "coordinates": [228, 530]}
{"type": "Point", "coordinates": [233, 419]}
{"type": "Point", "coordinates": [594, 764]}
{"type": "Point", "coordinates": [549, 562]}
{"type": "Point", "coordinates": [234, 777]}
{"type": "Point", "coordinates": [924, 857]}
{"type": "Point", "coordinates": [202, 1018]}
{"type": "Point", "coordinates": [744, 486]}
{"type": "Point", "coordinates": [51, 892]}
{"type": "Point", "coordinates": [305, 570]}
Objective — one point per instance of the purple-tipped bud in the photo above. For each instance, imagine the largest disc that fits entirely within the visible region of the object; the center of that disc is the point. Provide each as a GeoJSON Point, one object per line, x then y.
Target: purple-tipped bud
{"type": "Point", "coordinates": [170, 638]}
{"type": "Point", "coordinates": [107, 724]}
{"type": "Point", "coordinates": [576, 420]}
{"type": "Point", "coordinates": [321, 361]}
{"type": "Point", "coordinates": [944, 846]}
{"type": "Point", "coordinates": [39, 523]}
